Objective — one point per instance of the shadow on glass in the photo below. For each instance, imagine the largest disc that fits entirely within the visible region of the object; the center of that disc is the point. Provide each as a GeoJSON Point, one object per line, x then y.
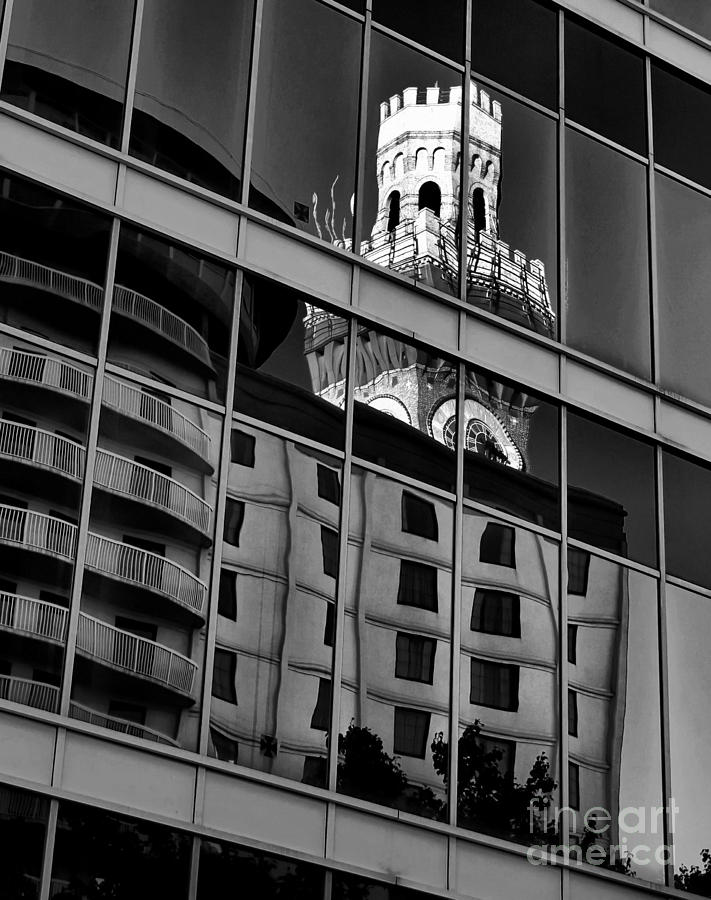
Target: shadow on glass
{"type": "Point", "coordinates": [23, 826]}
{"type": "Point", "coordinates": [441, 28]}
{"type": "Point", "coordinates": [687, 518]}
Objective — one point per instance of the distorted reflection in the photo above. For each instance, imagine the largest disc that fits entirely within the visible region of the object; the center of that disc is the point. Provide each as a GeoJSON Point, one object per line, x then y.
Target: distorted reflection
{"type": "Point", "coordinates": [351, 887]}
{"type": "Point", "coordinates": [23, 823]}
{"type": "Point", "coordinates": [508, 727]}
{"type": "Point", "coordinates": [395, 687]}
{"type": "Point", "coordinates": [614, 725]}
{"type": "Point", "coordinates": [44, 413]}
{"type": "Point", "coordinates": [271, 682]}
{"type": "Point", "coordinates": [145, 590]}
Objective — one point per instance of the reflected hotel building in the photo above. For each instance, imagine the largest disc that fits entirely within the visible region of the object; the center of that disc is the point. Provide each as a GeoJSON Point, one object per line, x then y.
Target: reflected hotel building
{"type": "Point", "coordinates": [353, 482]}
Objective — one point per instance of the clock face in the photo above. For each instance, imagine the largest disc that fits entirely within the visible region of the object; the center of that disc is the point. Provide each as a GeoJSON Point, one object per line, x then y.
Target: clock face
{"type": "Point", "coordinates": [483, 433]}
{"type": "Point", "coordinates": [391, 406]}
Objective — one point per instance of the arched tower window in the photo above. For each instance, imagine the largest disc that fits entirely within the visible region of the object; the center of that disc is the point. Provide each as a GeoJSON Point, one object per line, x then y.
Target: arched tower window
{"type": "Point", "coordinates": [394, 210]}
{"type": "Point", "coordinates": [479, 210]}
{"type": "Point", "coordinates": [438, 159]}
{"type": "Point", "coordinates": [430, 197]}
{"type": "Point", "coordinates": [421, 160]}
{"type": "Point", "coordinates": [399, 166]}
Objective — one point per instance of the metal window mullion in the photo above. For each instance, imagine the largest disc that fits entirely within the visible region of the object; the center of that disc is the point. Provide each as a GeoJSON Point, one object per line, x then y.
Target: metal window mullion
{"type": "Point", "coordinates": [362, 130]}
{"type": "Point", "coordinates": [564, 837]}
{"type": "Point", "coordinates": [48, 851]}
{"type": "Point", "coordinates": [194, 866]}
{"type": "Point", "coordinates": [219, 520]}
{"type": "Point", "coordinates": [342, 581]}
{"type": "Point", "coordinates": [130, 92]}
{"type": "Point", "coordinates": [251, 101]}
{"type": "Point", "coordinates": [652, 233]}
{"type": "Point", "coordinates": [5, 35]}
{"type": "Point", "coordinates": [464, 179]}
{"type": "Point", "coordinates": [562, 247]}
{"type": "Point", "coordinates": [664, 669]}
{"type": "Point", "coordinates": [89, 465]}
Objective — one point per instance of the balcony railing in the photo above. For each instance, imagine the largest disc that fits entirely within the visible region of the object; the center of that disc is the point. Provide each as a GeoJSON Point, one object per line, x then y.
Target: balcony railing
{"type": "Point", "coordinates": [130, 653]}
{"type": "Point", "coordinates": [17, 365]}
{"type": "Point", "coordinates": [16, 270]}
{"type": "Point", "coordinates": [29, 693]}
{"type": "Point", "coordinates": [33, 617]}
{"type": "Point", "coordinates": [149, 313]}
{"type": "Point", "coordinates": [124, 476]}
{"type": "Point", "coordinates": [42, 448]}
{"type": "Point", "coordinates": [146, 569]}
{"type": "Point", "coordinates": [114, 723]}
{"type": "Point", "coordinates": [37, 531]}
{"type": "Point", "coordinates": [144, 407]}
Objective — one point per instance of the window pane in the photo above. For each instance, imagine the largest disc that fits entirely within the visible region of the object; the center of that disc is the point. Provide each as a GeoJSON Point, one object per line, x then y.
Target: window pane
{"type": "Point", "coordinates": [400, 390]}
{"type": "Point", "coordinates": [284, 573]}
{"type": "Point", "coordinates": [440, 28]}
{"type": "Point", "coordinates": [607, 255]}
{"type": "Point", "coordinates": [511, 448]}
{"type": "Point", "coordinates": [291, 369]}
{"type": "Point", "coordinates": [305, 130]}
{"type": "Point", "coordinates": [612, 507]}
{"type": "Point", "coordinates": [512, 243]}
{"type": "Point", "coordinates": [687, 519]}
{"type": "Point", "coordinates": [693, 14]}
{"type": "Point", "coordinates": [413, 143]}
{"type": "Point", "coordinates": [395, 688]}
{"type": "Point", "coordinates": [515, 42]}
{"type": "Point", "coordinates": [604, 85]}
{"type": "Point", "coordinates": [171, 314]}
{"type": "Point", "coordinates": [67, 62]}
{"type": "Point", "coordinates": [23, 824]}
{"type": "Point", "coordinates": [122, 858]}
{"type": "Point", "coordinates": [180, 122]}
{"type": "Point", "coordinates": [508, 733]}
{"type": "Point", "coordinates": [684, 267]}
{"type": "Point", "coordinates": [53, 264]}
{"type": "Point", "coordinates": [682, 109]}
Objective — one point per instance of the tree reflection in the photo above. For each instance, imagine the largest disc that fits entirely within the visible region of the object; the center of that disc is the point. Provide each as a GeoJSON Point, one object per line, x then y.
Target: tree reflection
{"type": "Point", "coordinates": [695, 879]}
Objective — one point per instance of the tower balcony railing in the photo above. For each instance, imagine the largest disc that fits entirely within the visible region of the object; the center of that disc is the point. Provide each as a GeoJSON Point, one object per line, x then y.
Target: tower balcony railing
{"type": "Point", "coordinates": [137, 655]}
{"type": "Point", "coordinates": [127, 302]}
{"type": "Point", "coordinates": [29, 693]}
{"type": "Point", "coordinates": [41, 448]}
{"type": "Point", "coordinates": [32, 368]}
{"type": "Point", "coordinates": [115, 723]}
{"type": "Point", "coordinates": [147, 570]}
{"type": "Point", "coordinates": [37, 531]}
{"type": "Point", "coordinates": [37, 618]}
{"type": "Point", "coordinates": [144, 407]}
{"type": "Point", "coordinates": [124, 476]}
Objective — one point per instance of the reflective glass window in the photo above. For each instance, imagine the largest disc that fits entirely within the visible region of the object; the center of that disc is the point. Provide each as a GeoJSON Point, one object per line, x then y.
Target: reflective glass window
{"type": "Point", "coordinates": [291, 362]}
{"type": "Point", "coordinates": [682, 112]}
{"type": "Point", "coordinates": [395, 688]}
{"type": "Point", "coordinates": [352, 887]}
{"type": "Point", "coordinates": [272, 664]}
{"type": "Point", "coordinates": [180, 122]}
{"type": "Point", "coordinates": [684, 267]}
{"type": "Point", "coordinates": [607, 255]}
{"type": "Point", "coordinates": [610, 506]}
{"type": "Point", "coordinates": [100, 854]}
{"type": "Point", "coordinates": [515, 42]}
{"type": "Point", "coordinates": [305, 129]}
{"type": "Point", "coordinates": [411, 203]}
{"type": "Point", "coordinates": [440, 28]}
{"type": "Point", "coordinates": [693, 14]}
{"type": "Point", "coordinates": [508, 730]}
{"type": "Point", "coordinates": [687, 518]}
{"type": "Point", "coordinates": [688, 624]}
{"type": "Point", "coordinates": [614, 724]}
{"type": "Point", "coordinates": [604, 85]}
{"type": "Point", "coordinates": [512, 234]}
{"type": "Point", "coordinates": [171, 314]}
{"type": "Point", "coordinates": [23, 825]}
{"type": "Point", "coordinates": [53, 259]}
{"type": "Point", "coordinates": [510, 448]}
{"type": "Point", "coordinates": [67, 62]}
{"type": "Point", "coordinates": [405, 408]}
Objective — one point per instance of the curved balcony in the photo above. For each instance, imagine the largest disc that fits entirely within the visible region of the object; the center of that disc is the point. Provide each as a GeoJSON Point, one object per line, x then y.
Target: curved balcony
{"type": "Point", "coordinates": [138, 656]}
{"type": "Point", "coordinates": [32, 368]}
{"type": "Point", "coordinates": [33, 618]}
{"type": "Point", "coordinates": [146, 570]}
{"type": "Point", "coordinates": [114, 723]}
{"type": "Point", "coordinates": [138, 482]}
{"type": "Point", "coordinates": [42, 448]}
{"type": "Point", "coordinates": [29, 693]}
{"type": "Point", "coordinates": [37, 531]}
{"type": "Point", "coordinates": [144, 407]}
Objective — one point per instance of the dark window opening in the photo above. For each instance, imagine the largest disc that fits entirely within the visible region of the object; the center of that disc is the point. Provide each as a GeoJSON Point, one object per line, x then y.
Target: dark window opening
{"type": "Point", "coordinates": [578, 568]}
{"type": "Point", "coordinates": [494, 684]}
{"type": "Point", "coordinates": [242, 448]}
{"type": "Point", "coordinates": [419, 517]}
{"type": "Point", "coordinates": [329, 551]}
{"type": "Point", "coordinates": [329, 629]}
{"type": "Point", "coordinates": [322, 712]}
{"type": "Point", "coordinates": [225, 748]}
{"type": "Point", "coordinates": [415, 657]}
{"type": "Point", "coordinates": [224, 673]}
{"type": "Point", "coordinates": [418, 585]}
{"type": "Point", "coordinates": [572, 644]}
{"type": "Point", "coordinates": [227, 599]}
{"type": "Point", "coordinates": [234, 518]}
{"type": "Point", "coordinates": [479, 210]}
{"type": "Point", "coordinates": [572, 713]}
{"type": "Point", "coordinates": [394, 210]}
{"type": "Point", "coordinates": [412, 727]}
{"type": "Point", "coordinates": [430, 197]}
{"type": "Point", "coordinates": [498, 545]}
{"type": "Point", "coordinates": [574, 785]}
{"type": "Point", "coordinates": [496, 612]}
{"type": "Point", "coordinates": [329, 486]}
